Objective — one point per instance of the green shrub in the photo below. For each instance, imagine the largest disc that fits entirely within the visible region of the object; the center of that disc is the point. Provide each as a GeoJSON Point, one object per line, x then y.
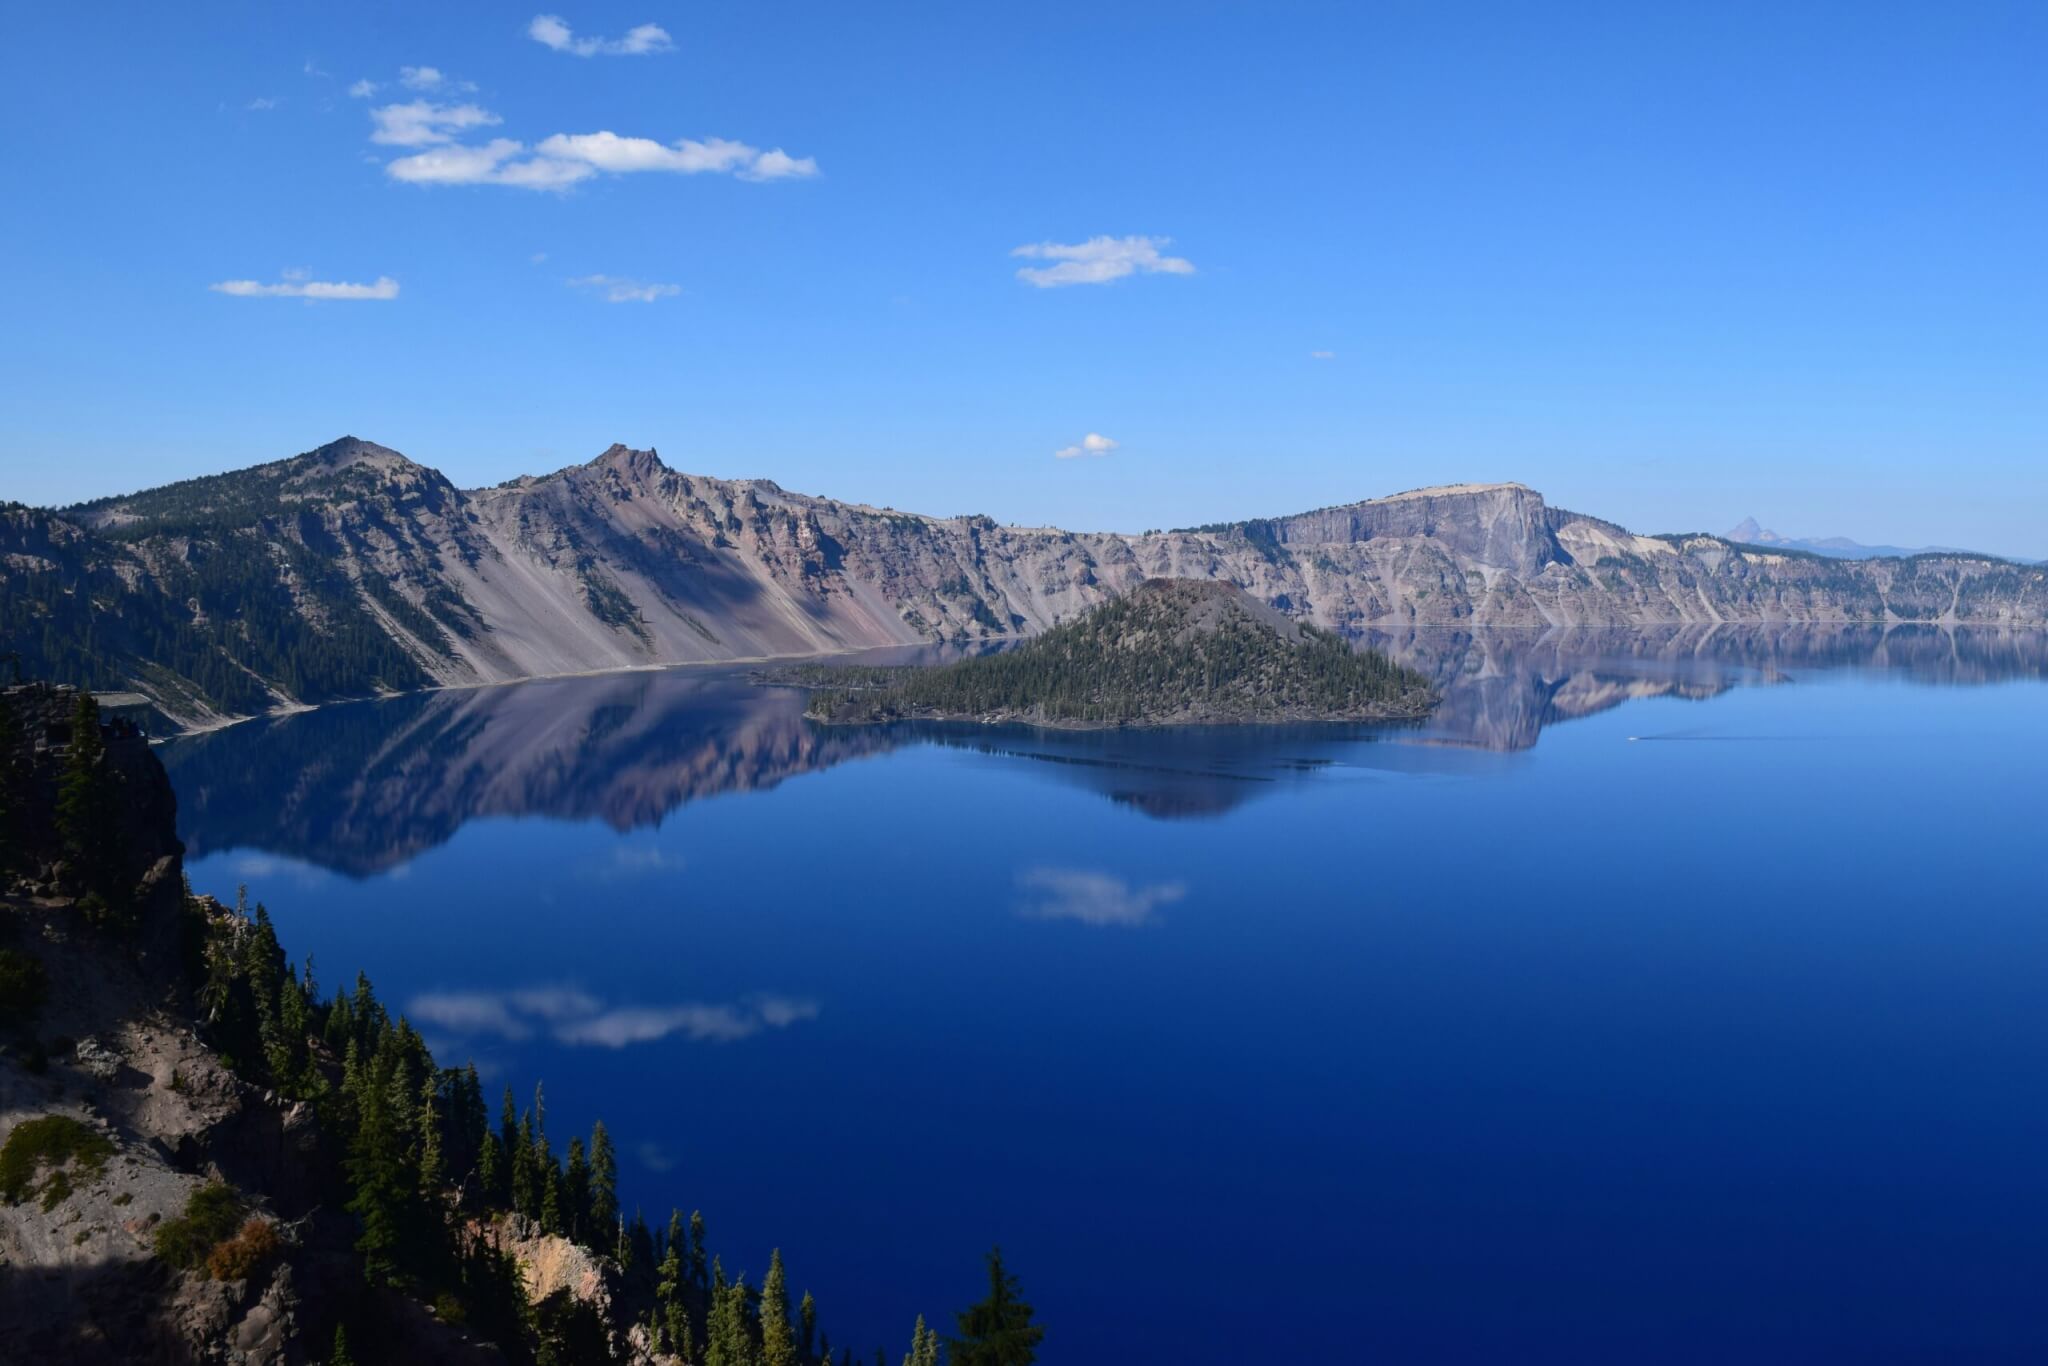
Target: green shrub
{"type": "Point", "coordinates": [212, 1214]}
{"type": "Point", "coordinates": [53, 1142]}
{"type": "Point", "coordinates": [24, 986]}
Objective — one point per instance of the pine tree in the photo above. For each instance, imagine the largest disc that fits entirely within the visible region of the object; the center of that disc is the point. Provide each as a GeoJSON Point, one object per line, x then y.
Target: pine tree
{"type": "Point", "coordinates": [807, 1322]}
{"type": "Point", "coordinates": [998, 1331]}
{"type": "Point", "coordinates": [778, 1344]}
{"type": "Point", "coordinates": [490, 1171]}
{"type": "Point", "coordinates": [638, 1244]}
{"type": "Point", "coordinates": [340, 1355]}
{"type": "Point", "coordinates": [668, 1290]}
{"type": "Point", "coordinates": [551, 1218]}
{"type": "Point", "coordinates": [604, 1181]}
{"type": "Point", "coordinates": [576, 1197]}
{"type": "Point", "coordinates": [728, 1341]}
{"type": "Point", "coordinates": [432, 1172]}
{"type": "Point", "coordinates": [525, 1171]}
{"type": "Point", "coordinates": [508, 1124]}
{"type": "Point", "coordinates": [697, 1274]}
{"type": "Point", "coordinates": [384, 1190]}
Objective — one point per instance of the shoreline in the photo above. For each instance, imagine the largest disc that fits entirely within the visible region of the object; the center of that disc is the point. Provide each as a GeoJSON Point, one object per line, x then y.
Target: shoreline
{"type": "Point", "coordinates": [1386, 627]}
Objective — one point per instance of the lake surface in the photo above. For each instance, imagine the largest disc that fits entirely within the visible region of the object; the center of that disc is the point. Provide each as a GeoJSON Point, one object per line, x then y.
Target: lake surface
{"type": "Point", "coordinates": [1676, 997]}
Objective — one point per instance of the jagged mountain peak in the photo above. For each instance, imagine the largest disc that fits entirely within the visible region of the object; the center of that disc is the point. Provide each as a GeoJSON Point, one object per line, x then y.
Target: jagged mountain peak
{"type": "Point", "coordinates": [619, 455]}
{"type": "Point", "coordinates": [351, 450]}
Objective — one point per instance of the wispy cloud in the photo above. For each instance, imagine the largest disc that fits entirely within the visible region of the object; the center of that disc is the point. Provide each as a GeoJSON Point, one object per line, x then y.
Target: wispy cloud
{"type": "Point", "coordinates": [1098, 261]}
{"type": "Point", "coordinates": [362, 89]}
{"type": "Point", "coordinates": [617, 289]}
{"type": "Point", "coordinates": [1095, 443]}
{"type": "Point", "coordinates": [294, 286]}
{"type": "Point", "coordinates": [421, 77]}
{"type": "Point", "coordinates": [607, 151]}
{"type": "Point", "coordinates": [1092, 898]}
{"type": "Point", "coordinates": [264, 103]}
{"type": "Point", "coordinates": [572, 1016]}
{"type": "Point", "coordinates": [422, 123]}
{"type": "Point", "coordinates": [641, 41]}
{"type": "Point", "coordinates": [1322, 355]}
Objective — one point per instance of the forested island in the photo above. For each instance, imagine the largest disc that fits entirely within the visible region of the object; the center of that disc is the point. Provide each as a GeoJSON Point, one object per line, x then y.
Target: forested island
{"type": "Point", "coordinates": [206, 1156]}
{"type": "Point", "coordinates": [1171, 652]}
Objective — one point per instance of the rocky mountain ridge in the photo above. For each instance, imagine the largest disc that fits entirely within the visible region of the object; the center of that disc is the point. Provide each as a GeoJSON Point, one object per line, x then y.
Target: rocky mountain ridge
{"type": "Point", "coordinates": [352, 570]}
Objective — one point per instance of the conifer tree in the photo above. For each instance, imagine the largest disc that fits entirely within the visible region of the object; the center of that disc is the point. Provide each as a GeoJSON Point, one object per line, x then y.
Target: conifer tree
{"type": "Point", "coordinates": [576, 1197]}
{"type": "Point", "coordinates": [668, 1292]}
{"type": "Point", "coordinates": [490, 1171]}
{"type": "Point", "coordinates": [728, 1341]}
{"type": "Point", "coordinates": [998, 1331]}
{"type": "Point", "coordinates": [807, 1322]}
{"type": "Point", "coordinates": [340, 1355]}
{"type": "Point", "coordinates": [551, 1220]}
{"type": "Point", "coordinates": [508, 1124]}
{"type": "Point", "coordinates": [604, 1181]}
{"type": "Point", "coordinates": [432, 1173]}
{"type": "Point", "coordinates": [778, 1343]}
{"type": "Point", "coordinates": [525, 1172]}
{"type": "Point", "coordinates": [697, 1273]}
{"type": "Point", "coordinates": [384, 1189]}
{"type": "Point", "coordinates": [638, 1243]}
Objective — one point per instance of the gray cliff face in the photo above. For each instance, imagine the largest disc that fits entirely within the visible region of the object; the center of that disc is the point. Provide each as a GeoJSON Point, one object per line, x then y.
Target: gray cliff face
{"type": "Point", "coordinates": [625, 562]}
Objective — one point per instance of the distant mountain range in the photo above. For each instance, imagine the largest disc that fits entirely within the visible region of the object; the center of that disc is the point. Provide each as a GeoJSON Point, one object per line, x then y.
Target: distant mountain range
{"type": "Point", "coordinates": [1749, 532]}
{"type": "Point", "coordinates": [352, 571]}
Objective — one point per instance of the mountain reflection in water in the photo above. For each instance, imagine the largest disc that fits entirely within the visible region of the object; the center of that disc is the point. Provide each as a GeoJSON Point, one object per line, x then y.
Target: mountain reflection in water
{"type": "Point", "coordinates": [362, 788]}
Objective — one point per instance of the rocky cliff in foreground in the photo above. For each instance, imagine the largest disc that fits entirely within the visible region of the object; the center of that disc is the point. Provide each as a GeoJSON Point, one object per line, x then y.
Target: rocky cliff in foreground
{"type": "Point", "coordinates": [205, 1160]}
{"type": "Point", "coordinates": [351, 570]}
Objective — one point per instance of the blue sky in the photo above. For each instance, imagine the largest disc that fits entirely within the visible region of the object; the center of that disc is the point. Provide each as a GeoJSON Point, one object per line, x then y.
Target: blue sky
{"type": "Point", "coordinates": [1669, 263]}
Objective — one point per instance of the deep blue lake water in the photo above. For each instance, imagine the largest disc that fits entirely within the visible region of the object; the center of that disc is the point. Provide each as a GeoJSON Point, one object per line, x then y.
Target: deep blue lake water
{"type": "Point", "coordinates": [1672, 998]}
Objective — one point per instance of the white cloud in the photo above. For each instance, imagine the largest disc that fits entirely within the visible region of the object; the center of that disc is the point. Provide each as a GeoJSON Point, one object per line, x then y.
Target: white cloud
{"type": "Point", "coordinates": [264, 103]}
{"type": "Point", "coordinates": [554, 31]}
{"type": "Point", "coordinates": [1095, 443]}
{"type": "Point", "coordinates": [1091, 898]}
{"type": "Point", "coordinates": [502, 161]}
{"type": "Point", "coordinates": [1098, 261]}
{"type": "Point", "coordinates": [573, 1016]}
{"type": "Point", "coordinates": [363, 89]}
{"type": "Point", "coordinates": [422, 123]}
{"type": "Point", "coordinates": [1322, 355]}
{"type": "Point", "coordinates": [563, 159]}
{"type": "Point", "coordinates": [420, 77]}
{"type": "Point", "coordinates": [537, 258]}
{"type": "Point", "coordinates": [607, 151]}
{"type": "Point", "coordinates": [619, 290]}
{"type": "Point", "coordinates": [779, 165]}
{"type": "Point", "coordinates": [296, 286]}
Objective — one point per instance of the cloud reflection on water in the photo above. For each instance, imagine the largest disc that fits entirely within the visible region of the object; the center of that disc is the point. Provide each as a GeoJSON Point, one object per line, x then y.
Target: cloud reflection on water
{"type": "Point", "coordinates": [572, 1016]}
{"type": "Point", "coordinates": [1093, 898]}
